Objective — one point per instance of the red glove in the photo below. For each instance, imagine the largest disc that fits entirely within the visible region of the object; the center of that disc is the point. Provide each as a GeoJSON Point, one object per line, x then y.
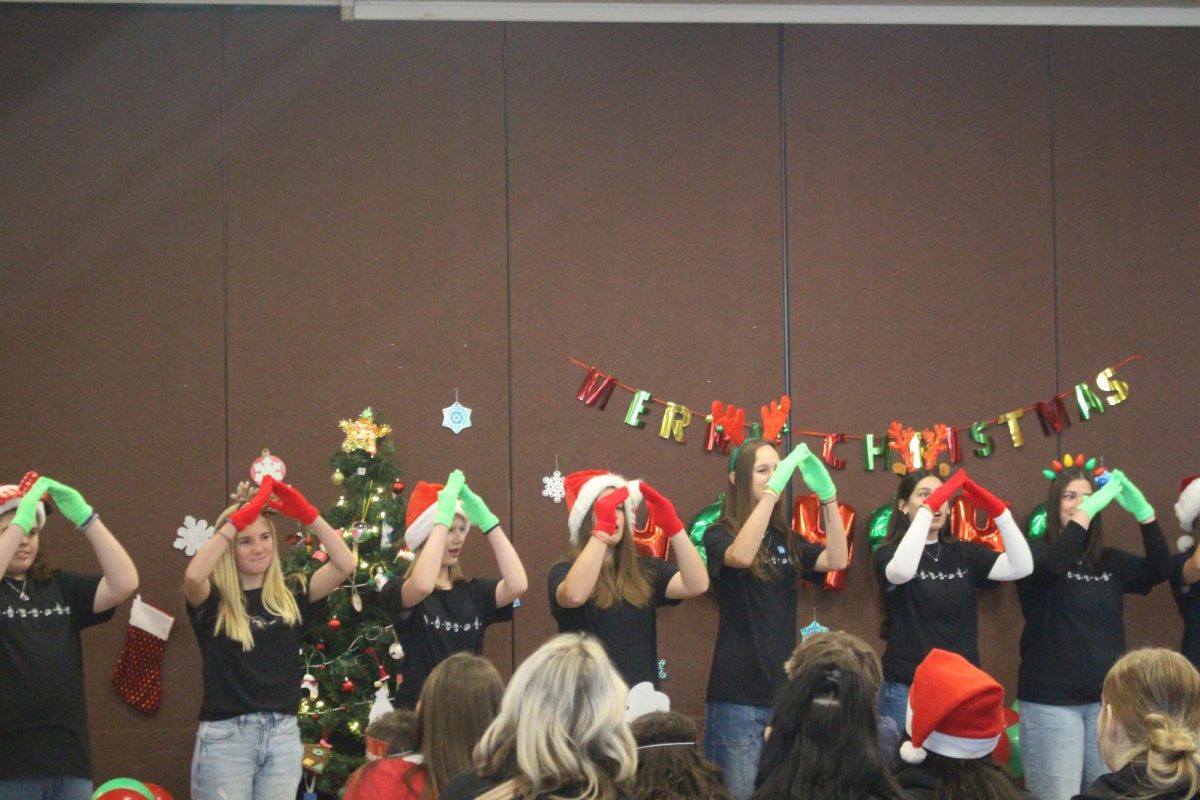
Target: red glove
{"type": "Point", "coordinates": [292, 504]}
{"type": "Point", "coordinates": [661, 510]}
{"type": "Point", "coordinates": [253, 509]}
{"type": "Point", "coordinates": [605, 510]}
{"type": "Point", "coordinates": [983, 499]}
{"type": "Point", "coordinates": [947, 490]}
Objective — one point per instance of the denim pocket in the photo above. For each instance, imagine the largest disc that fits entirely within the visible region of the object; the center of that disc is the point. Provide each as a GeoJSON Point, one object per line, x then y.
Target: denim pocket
{"type": "Point", "coordinates": [218, 731]}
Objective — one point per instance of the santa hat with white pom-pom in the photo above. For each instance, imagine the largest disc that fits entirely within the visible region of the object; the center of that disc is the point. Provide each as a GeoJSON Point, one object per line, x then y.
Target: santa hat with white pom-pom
{"type": "Point", "coordinates": [585, 487]}
{"type": "Point", "coordinates": [955, 709]}
{"type": "Point", "coordinates": [1187, 508]}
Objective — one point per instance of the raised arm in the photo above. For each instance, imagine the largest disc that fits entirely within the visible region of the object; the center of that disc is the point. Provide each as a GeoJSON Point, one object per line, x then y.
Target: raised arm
{"type": "Point", "coordinates": [1017, 560]}
{"type": "Point", "coordinates": [196, 585]}
{"type": "Point", "coordinates": [903, 565]}
{"type": "Point", "coordinates": [580, 580]}
{"type": "Point", "coordinates": [422, 578]}
{"type": "Point", "coordinates": [692, 578]}
{"type": "Point", "coordinates": [740, 554]}
{"type": "Point", "coordinates": [814, 474]}
{"type": "Point", "coordinates": [513, 581]}
{"type": "Point", "coordinates": [119, 575]}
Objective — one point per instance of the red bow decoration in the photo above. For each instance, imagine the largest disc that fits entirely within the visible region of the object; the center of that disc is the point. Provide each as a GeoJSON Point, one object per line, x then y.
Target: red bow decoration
{"type": "Point", "coordinates": [651, 540]}
{"type": "Point", "coordinates": [806, 522]}
{"type": "Point", "coordinates": [775, 417]}
{"type": "Point", "coordinates": [964, 524]}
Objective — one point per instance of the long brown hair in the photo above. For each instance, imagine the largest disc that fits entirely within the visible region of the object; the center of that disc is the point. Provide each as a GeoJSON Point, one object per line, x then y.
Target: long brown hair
{"type": "Point", "coordinates": [976, 778]}
{"type": "Point", "coordinates": [459, 700]}
{"type": "Point", "coordinates": [1093, 544]}
{"type": "Point", "coordinates": [1155, 694]}
{"type": "Point", "coordinates": [669, 765]}
{"type": "Point", "coordinates": [624, 579]}
{"type": "Point", "coordinates": [739, 502]}
{"type": "Point", "coordinates": [898, 526]}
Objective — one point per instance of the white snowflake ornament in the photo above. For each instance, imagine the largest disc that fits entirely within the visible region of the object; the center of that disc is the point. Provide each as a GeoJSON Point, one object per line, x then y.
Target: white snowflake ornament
{"type": "Point", "coordinates": [554, 486]}
{"type": "Point", "coordinates": [456, 417]}
{"type": "Point", "coordinates": [192, 534]}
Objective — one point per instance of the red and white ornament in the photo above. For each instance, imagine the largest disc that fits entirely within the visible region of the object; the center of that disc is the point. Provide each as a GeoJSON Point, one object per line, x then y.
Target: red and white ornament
{"type": "Point", "coordinates": [265, 465]}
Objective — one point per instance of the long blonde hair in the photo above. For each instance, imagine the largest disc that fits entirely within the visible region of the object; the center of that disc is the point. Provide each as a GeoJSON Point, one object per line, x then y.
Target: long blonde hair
{"type": "Point", "coordinates": [277, 599]}
{"type": "Point", "coordinates": [562, 724]}
{"type": "Point", "coordinates": [622, 579]}
{"type": "Point", "coordinates": [1154, 694]}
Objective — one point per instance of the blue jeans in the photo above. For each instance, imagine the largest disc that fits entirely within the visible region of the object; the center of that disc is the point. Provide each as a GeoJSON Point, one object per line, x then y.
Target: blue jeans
{"type": "Point", "coordinates": [893, 703]}
{"type": "Point", "coordinates": [46, 787]}
{"type": "Point", "coordinates": [1060, 749]}
{"type": "Point", "coordinates": [251, 757]}
{"type": "Point", "coordinates": [733, 740]}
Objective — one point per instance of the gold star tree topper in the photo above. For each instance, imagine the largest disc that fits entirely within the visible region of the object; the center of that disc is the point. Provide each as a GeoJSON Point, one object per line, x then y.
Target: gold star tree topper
{"type": "Point", "coordinates": [362, 433]}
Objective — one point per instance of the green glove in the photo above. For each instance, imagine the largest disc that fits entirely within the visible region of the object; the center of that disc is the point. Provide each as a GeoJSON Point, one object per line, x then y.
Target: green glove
{"type": "Point", "coordinates": [1131, 498]}
{"type": "Point", "coordinates": [69, 502]}
{"type": "Point", "coordinates": [815, 476]}
{"type": "Point", "coordinates": [26, 516]}
{"type": "Point", "coordinates": [477, 511]}
{"type": "Point", "coordinates": [448, 499]}
{"type": "Point", "coordinates": [783, 472]}
{"type": "Point", "coordinates": [1094, 503]}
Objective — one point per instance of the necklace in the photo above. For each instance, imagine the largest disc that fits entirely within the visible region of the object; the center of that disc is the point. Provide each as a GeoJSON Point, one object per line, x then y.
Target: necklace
{"type": "Point", "coordinates": [933, 555]}
{"type": "Point", "coordinates": [20, 592]}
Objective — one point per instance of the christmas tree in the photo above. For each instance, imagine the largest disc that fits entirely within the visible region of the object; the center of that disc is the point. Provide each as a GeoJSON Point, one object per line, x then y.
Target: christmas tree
{"type": "Point", "coordinates": [350, 652]}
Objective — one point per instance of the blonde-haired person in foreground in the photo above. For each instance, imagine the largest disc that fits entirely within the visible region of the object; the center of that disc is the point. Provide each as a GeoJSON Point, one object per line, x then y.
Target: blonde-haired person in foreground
{"type": "Point", "coordinates": [1149, 728]}
{"type": "Point", "coordinates": [560, 733]}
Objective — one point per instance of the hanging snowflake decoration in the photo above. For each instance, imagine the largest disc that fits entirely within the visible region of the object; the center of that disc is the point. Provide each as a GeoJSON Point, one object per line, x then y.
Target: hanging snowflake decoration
{"type": "Point", "coordinates": [192, 534]}
{"type": "Point", "coordinates": [554, 487]}
{"type": "Point", "coordinates": [456, 416]}
{"type": "Point", "coordinates": [811, 628]}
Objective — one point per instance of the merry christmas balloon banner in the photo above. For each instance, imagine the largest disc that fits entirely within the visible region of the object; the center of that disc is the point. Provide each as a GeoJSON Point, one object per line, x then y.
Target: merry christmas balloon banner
{"type": "Point", "coordinates": [727, 425]}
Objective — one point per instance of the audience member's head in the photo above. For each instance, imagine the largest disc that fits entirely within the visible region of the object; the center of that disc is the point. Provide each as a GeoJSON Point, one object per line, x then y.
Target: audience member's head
{"type": "Point", "coordinates": [393, 733]}
{"type": "Point", "coordinates": [1150, 716]}
{"type": "Point", "coordinates": [955, 721]}
{"type": "Point", "coordinates": [459, 700]}
{"type": "Point", "coordinates": [823, 739]}
{"type": "Point", "coordinates": [669, 765]}
{"type": "Point", "coordinates": [562, 723]}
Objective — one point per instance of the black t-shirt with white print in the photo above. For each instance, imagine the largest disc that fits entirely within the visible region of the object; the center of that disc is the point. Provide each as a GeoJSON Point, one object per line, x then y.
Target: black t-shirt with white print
{"type": "Point", "coordinates": [756, 631]}
{"type": "Point", "coordinates": [1187, 597]}
{"type": "Point", "coordinates": [1075, 614]}
{"type": "Point", "coordinates": [937, 608]}
{"type": "Point", "coordinates": [43, 708]}
{"type": "Point", "coordinates": [265, 678]}
{"type": "Point", "coordinates": [448, 621]}
{"type": "Point", "coordinates": [628, 633]}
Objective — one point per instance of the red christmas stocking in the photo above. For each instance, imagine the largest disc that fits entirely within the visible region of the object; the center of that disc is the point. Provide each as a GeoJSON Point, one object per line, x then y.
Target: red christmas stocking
{"type": "Point", "coordinates": [137, 677]}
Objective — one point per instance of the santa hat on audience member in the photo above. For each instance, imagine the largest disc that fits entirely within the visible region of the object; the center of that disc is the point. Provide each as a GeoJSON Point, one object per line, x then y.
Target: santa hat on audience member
{"type": "Point", "coordinates": [422, 508]}
{"type": "Point", "coordinates": [583, 489]}
{"type": "Point", "coordinates": [11, 495]}
{"type": "Point", "coordinates": [955, 710]}
{"type": "Point", "coordinates": [1187, 508]}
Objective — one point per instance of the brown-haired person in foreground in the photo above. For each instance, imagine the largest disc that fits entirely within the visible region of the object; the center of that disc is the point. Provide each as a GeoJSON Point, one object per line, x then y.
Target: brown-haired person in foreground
{"type": "Point", "coordinates": [459, 700]}
{"type": "Point", "coordinates": [669, 765]}
{"type": "Point", "coordinates": [1149, 728]}
{"type": "Point", "coordinates": [560, 733]}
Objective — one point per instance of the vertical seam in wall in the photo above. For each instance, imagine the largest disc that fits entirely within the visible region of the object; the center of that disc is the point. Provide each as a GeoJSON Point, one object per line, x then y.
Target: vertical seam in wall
{"type": "Point", "coordinates": [224, 246]}
{"type": "Point", "coordinates": [1053, 219]}
{"type": "Point", "coordinates": [508, 307]}
{"type": "Point", "coordinates": [783, 220]}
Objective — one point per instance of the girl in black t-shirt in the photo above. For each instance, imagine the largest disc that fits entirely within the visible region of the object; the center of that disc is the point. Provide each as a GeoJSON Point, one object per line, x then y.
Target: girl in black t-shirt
{"type": "Point", "coordinates": [435, 611]}
{"type": "Point", "coordinates": [247, 621]}
{"type": "Point", "coordinates": [1073, 605]}
{"type": "Point", "coordinates": [44, 750]}
{"type": "Point", "coordinates": [1185, 568]}
{"type": "Point", "coordinates": [755, 565]}
{"type": "Point", "coordinates": [928, 579]}
{"type": "Point", "coordinates": [606, 588]}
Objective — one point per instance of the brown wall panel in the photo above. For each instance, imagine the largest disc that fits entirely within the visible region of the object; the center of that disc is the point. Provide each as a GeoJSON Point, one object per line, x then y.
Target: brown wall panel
{"type": "Point", "coordinates": [644, 203]}
{"type": "Point", "coordinates": [110, 257]}
{"type": "Point", "coordinates": [1127, 172]}
{"type": "Point", "coordinates": [919, 218]}
{"type": "Point", "coordinates": [367, 247]}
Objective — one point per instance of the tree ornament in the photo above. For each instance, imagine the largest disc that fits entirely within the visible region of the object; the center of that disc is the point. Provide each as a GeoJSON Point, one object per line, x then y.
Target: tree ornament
{"type": "Point", "coordinates": [812, 627]}
{"type": "Point", "coordinates": [338, 477]}
{"type": "Point", "coordinates": [320, 647]}
{"type": "Point", "coordinates": [347, 686]}
{"type": "Point", "coordinates": [398, 487]}
{"type": "Point", "coordinates": [456, 416]}
{"type": "Point", "coordinates": [265, 465]}
{"type": "Point", "coordinates": [363, 433]}
{"type": "Point", "coordinates": [309, 684]}
{"type": "Point", "coordinates": [396, 651]}
{"type": "Point", "coordinates": [553, 485]}
{"type": "Point", "coordinates": [334, 624]}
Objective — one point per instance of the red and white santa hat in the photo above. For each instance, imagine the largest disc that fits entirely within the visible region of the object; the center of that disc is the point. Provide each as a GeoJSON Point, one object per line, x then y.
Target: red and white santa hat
{"type": "Point", "coordinates": [1187, 508]}
{"type": "Point", "coordinates": [955, 709]}
{"type": "Point", "coordinates": [584, 487]}
{"type": "Point", "coordinates": [11, 495]}
{"type": "Point", "coordinates": [422, 508]}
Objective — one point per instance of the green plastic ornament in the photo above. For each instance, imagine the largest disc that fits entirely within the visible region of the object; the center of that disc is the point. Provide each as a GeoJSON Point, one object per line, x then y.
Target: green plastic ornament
{"type": "Point", "coordinates": [1016, 764]}
{"type": "Point", "coordinates": [877, 526]}
{"type": "Point", "coordinates": [1037, 523]}
{"type": "Point", "coordinates": [699, 524]}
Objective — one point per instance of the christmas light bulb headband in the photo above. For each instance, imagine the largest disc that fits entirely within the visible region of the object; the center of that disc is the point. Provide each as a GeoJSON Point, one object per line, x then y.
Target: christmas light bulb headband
{"type": "Point", "coordinates": [1076, 462]}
